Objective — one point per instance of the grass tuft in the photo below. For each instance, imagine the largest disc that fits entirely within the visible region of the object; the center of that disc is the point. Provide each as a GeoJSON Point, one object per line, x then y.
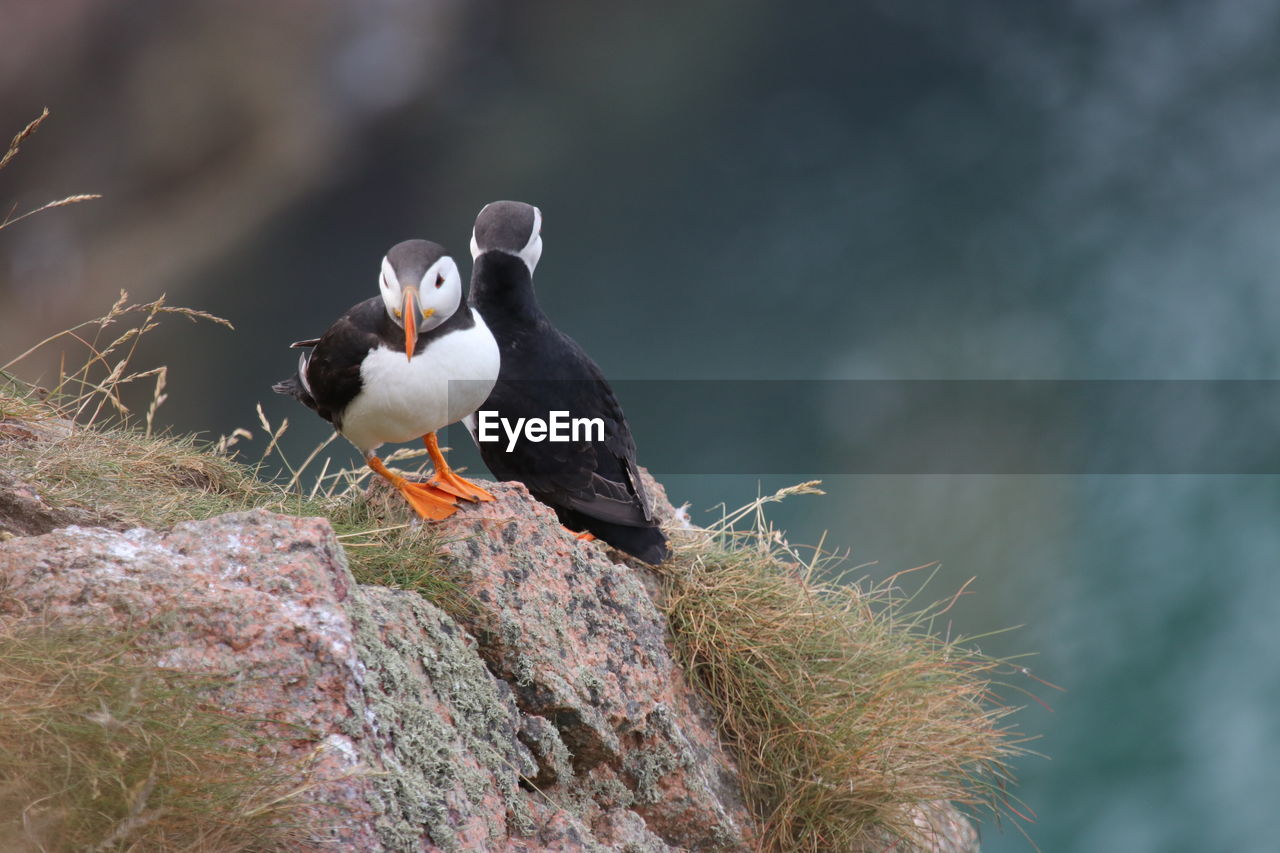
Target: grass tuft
{"type": "Point", "coordinates": [104, 753]}
{"type": "Point", "coordinates": [846, 711]}
{"type": "Point", "coordinates": [105, 369]}
{"type": "Point", "coordinates": [399, 556]}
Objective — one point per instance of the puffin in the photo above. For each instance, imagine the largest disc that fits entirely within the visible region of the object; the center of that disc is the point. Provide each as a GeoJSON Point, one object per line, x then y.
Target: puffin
{"type": "Point", "coordinates": [592, 482]}
{"type": "Point", "coordinates": [400, 366]}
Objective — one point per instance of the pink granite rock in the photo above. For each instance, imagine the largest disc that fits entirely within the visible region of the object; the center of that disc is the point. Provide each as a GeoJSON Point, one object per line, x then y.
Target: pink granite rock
{"type": "Point", "coordinates": [552, 717]}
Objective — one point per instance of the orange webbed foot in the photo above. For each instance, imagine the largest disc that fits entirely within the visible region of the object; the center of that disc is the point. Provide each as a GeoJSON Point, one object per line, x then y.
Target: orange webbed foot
{"type": "Point", "coordinates": [446, 480]}
{"type": "Point", "coordinates": [426, 500]}
{"type": "Point", "coordinates": [582, 535]}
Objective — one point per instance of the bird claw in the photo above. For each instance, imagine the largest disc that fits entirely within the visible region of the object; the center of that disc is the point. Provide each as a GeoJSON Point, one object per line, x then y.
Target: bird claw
{"type": "Point", "coordinates": [459, 487]}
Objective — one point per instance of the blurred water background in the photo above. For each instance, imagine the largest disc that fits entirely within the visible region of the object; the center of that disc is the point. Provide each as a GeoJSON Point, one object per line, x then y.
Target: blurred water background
{"type": "Point", "coordinates": [906, 189]}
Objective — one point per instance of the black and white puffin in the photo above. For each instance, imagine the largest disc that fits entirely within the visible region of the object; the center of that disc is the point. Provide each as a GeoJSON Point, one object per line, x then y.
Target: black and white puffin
{"type": "Point", "coordinates": [401, 365]}
{"type": "Point", "coordinates": [593, 485]}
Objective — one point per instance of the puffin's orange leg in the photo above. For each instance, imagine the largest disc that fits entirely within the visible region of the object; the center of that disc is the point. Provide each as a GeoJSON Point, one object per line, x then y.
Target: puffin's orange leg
{"type": "Point", "coordinates": [446, 480]}
{"type": "Point", "coordinates": [426, 500]}
{"type": "Point", "coordinates": [585, 535]}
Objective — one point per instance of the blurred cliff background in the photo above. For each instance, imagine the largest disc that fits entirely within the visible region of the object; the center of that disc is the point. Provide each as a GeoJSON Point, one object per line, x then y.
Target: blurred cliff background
{"type": "Point", "coordinates": [758, 191]}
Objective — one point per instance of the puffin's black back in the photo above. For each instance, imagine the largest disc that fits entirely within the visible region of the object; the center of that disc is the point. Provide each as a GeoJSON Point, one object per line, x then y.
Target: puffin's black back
{"type": "Point", "coordinates": [592, 485]}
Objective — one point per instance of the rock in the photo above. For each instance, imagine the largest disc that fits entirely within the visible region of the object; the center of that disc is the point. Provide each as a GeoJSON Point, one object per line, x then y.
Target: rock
{"type": "Point", "coordinates": [551, 717]}
{"type": "Point", "coordinates": [942, 829]}
{"type": "Point", "coordinates": [424, 735]}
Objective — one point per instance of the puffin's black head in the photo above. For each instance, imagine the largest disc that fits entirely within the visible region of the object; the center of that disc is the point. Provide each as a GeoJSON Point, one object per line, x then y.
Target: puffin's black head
{"type": "Point", "coordinates": [510, 227]}
{"type": "Point", "coordinates": [420, 286]}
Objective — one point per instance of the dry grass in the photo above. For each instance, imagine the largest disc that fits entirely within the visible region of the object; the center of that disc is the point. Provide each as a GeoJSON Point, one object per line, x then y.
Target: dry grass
{"type": "Point", "coordinates": [15, 145]}
{"type": "Point", "coordinates": [399, 556]}
{"type": "Point", "coordinates": [103, 753]}
{"type": "Point", "coordinates": [105, 369]}
{"type": "Point", "coordinates": [118, 474]}
{"type": "Point", "coordinates": [846, 710]}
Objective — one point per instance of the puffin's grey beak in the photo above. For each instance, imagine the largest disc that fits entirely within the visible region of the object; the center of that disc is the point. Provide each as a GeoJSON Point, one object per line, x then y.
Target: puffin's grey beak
{"type": "Point", "coordinates": [409, 313]}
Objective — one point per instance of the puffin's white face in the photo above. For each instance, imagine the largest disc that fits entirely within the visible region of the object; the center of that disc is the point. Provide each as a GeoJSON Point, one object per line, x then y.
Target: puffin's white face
{"type": "Point", "coordinates": [420, 306]}
{"type": "Point", "coordinates": [532, 250]}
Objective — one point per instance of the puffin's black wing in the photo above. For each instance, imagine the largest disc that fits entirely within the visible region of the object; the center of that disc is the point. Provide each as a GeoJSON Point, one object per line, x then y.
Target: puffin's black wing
{"type": "Point", "coordinates": [328, 377]}
{"type": "Point", "coordinates": [597, 478]}
{"type": "Point", "coordinates": [617, 492]}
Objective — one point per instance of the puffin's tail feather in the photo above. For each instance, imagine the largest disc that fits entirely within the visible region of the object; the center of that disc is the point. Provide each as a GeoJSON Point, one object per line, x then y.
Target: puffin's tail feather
{"type": "Point", "coordinates": [644, 543]}
{"type": "Point", "coordinates": [295, 388]}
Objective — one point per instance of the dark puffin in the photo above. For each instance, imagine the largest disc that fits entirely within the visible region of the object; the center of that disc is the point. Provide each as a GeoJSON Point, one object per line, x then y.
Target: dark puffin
{"type": "Point", "coordinates": [401, 365]}
{"type": "Point", "coordinates": [593, 485]}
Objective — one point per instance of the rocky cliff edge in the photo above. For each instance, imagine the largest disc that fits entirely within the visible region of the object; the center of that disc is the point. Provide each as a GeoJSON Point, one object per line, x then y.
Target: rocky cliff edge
{"type": "Point", "coordinates": [549, 715]}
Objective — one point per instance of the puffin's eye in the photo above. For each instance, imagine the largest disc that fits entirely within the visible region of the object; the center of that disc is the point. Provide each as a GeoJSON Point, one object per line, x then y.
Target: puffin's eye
{"type": "Point", "coordinates": [440, 280]}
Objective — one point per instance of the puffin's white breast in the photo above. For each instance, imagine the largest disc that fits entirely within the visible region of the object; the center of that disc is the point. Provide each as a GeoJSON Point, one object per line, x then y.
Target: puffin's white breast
{"type": "Point", "coordinates": [403, 399]}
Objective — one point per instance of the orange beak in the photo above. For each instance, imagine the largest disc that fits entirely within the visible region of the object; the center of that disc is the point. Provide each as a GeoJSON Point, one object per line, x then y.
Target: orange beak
{"type": "Point", "coordinates": [410, 316]}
